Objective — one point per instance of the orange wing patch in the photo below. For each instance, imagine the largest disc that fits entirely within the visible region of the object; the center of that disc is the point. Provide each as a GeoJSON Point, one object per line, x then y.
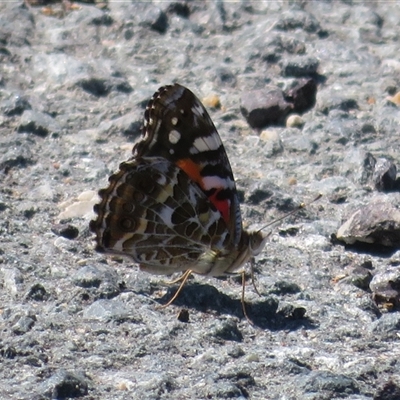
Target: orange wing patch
{"type": "Point", "coordinates": [193, 171]}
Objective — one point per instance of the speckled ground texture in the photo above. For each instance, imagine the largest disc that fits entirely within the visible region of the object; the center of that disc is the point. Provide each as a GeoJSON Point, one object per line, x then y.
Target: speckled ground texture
{"type": "Point", "coordinates": [74, 81]}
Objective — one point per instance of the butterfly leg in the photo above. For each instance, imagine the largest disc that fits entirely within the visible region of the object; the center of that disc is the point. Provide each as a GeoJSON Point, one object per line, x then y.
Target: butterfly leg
{"type": "Point", "coordinates": [252, 276]}
{"type": "Point", "coordinates": [242, 299]}
{"type": "Point", "coordinates": [182, 278]}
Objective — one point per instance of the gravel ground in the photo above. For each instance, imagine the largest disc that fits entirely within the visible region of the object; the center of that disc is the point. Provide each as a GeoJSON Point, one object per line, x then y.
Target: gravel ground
{"type": "Point", "coordinates": [74, 81]}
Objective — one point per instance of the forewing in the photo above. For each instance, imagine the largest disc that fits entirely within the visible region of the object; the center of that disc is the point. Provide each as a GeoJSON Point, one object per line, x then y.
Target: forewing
{"type": "Point", "coordinates": [178, 128]}
{"type": "Point", "coordinates": [153, 212]}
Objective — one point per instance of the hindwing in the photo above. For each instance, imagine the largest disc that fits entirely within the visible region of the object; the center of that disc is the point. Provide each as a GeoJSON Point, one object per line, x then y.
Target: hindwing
{"type": "Point", "coordinates": [153, 212]}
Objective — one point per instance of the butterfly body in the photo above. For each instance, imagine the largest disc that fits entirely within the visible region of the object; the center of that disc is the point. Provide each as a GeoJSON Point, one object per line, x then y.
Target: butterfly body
{"type": "Point", "coordinates": [173, 207]}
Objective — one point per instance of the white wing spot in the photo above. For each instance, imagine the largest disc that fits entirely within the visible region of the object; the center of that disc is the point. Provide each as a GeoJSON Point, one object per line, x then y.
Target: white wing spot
{"type": "Point", "coordinates": [210, 182]}
{"type": "Point", "coordinates": [197, 110]}
{"type": "Point", "coordinates": [205, 143]}
{"type": "Point", "coordinates": [174, 136]}
{"type": "Point", "coordinates": [174, 121]}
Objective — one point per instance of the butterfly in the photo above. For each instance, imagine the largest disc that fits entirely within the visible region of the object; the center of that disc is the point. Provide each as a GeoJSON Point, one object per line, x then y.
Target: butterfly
{"type": "Point", "coordinates": [173, 206]}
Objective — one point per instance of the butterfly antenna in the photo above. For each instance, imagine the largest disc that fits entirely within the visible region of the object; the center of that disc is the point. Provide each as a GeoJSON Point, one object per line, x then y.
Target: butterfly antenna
{"type": "Point", "coordinates": [183, 278]}
{"type": "Point", "coordinates": [297, 209]}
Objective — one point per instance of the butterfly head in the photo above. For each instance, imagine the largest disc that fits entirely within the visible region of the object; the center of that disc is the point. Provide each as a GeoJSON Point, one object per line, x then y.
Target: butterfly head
{"type": "Point", "coordinates": [257, 241]}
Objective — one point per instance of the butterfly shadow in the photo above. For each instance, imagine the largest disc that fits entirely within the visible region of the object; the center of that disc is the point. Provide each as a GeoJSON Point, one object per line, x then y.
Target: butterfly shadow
{"type": "Point", "coordinates": [267, 313]}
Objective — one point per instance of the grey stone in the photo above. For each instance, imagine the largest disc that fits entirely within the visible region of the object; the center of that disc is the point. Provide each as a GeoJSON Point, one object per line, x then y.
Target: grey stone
{"type": "Point", "coordinates": [65, 230]}
{"type": "Point", "coordinates": [101, 277]}
{"type": "Point", "coordinates": [330, 384]}
{"type": "Point", "coordinates": [24, 325]}
{"type": "Point", "coordinates": [38, 123]}
{"type": "Point", "coordinates": [264, 107]}
{"type": "Point", "coordinates": [64, 384]}
{"type": "Point", "coordinates": [376, 223]}
{"type": "Point", "coordinates": [387, 324]}
{"type": "Point", "coordinates": [107, 310]}
{"type": "Point", "coordinates": [294, 19]}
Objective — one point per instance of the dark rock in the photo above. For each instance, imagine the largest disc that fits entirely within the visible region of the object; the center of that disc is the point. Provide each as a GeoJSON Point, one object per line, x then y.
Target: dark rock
{"type": "Point", "coordinates": [65, 230]}
{"type": "Point", "coordinates": [183, 315]}
{"type": "Point", "coordinates": [334, 385]}
{"type": "Point", "coordinates": [180, 8]}
{"type": "Point", "coordinates": [260, 192]}
{"type": "Point", "coordinates": [285, 287]}
{"type": "Point", "coordinates": [65, 385]}
{"type": "Point", "coordinates": [15, 106]}
{"type": "Point", "coordinates": [156, 19]}
{"type": "Point", "coordinates": [368, 168]}
{"type": "Point", "coordinates": [385, 285]}
{"type": "Point", "coordinates": [37, 123]}
{"type": "Point", "coordinates": [101, 87]}
{"type": "Point", "coordinates": [384, 176]}
{"type": "Point", "coordinates": [299, 66]}
{"type": "Point", "coordinates": [361, 277]}
{"type": "Point", "coordinates": [243, 378]}
{"type": "Point", "coordinates": [290, 311]}
{"type": "Point", "coordinates": [302, 95]}
{"type": "Point", "coordinates": [294, 366]}
{"type": "Point", "coordinates": [8, 352]}
{"type": "Point", "coordinates": [103, 20]}
{"type": "Point", "coordinates": [227, 330]}
{"type": "Point", "coordinates": [390, 390]}
{"type": "Point", "coordinates": [37, 292]}
{"type": "Point", "coordinates": [365, 169]}
{"type": "Point", "coordinates": [264, 107]}
{"type": "Point", "coordinates": [235, 351]}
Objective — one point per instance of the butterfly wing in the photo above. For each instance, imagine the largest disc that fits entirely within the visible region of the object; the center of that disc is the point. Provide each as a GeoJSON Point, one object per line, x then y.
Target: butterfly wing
{"type": "Point", "coordinates": [153, 212]}
{"type": "Point", "coordinates": [178, 128]}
